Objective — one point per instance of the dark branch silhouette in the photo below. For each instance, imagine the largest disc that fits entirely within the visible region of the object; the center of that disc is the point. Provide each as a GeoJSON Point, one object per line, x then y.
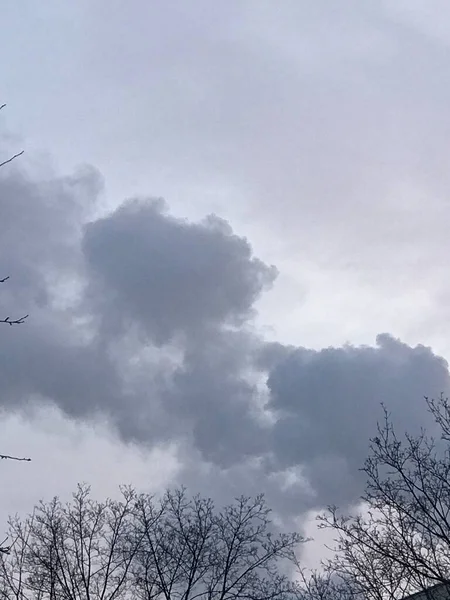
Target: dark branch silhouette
{"type": "Point", "coordinates": [175, 548]}
{"type": "Point", "coordinates": [5, 162]}
{"type": "Point", "coordinates": [8, 457]}
{"type": "Point", "coordinates": [10, 321]}
{"type": "Point", "coordinates": [400, 543]}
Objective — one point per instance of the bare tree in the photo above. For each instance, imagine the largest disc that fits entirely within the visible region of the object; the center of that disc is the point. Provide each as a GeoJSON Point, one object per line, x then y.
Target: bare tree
{"type": "Point", "coordinates": [400, 542]}
{"type": "Point", "coordinates": [79, 550]}
{"type": "Point", "coordinates": [176, 548]}
{"type": "Point", "coordinates": [189, 551]}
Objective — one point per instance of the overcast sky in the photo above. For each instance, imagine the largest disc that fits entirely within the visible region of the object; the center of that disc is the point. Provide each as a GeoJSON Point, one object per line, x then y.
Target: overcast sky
{"type": "Point", "coordinates": [230, 230]}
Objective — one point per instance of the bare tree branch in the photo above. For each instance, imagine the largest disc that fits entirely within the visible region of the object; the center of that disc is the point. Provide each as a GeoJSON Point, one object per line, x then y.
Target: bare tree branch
{"type": "Point", "coordinates": [11, 158]}
{"type": "Point", "coordinates": [7, 457]}
{"type": "Point", "coordinates": [10, 321]}
{"type": "Point", "coordinates": [400, 542]}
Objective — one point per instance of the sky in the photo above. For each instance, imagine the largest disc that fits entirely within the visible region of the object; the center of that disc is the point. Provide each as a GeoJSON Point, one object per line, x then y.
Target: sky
{"type": "Point", "coordinates": [230, 231]}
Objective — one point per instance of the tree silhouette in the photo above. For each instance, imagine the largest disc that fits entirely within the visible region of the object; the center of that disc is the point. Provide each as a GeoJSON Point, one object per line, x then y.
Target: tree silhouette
{"type": "Point", "coordinates": [399, 543]}
{"type": "Point", "coordinates": [138, 547]}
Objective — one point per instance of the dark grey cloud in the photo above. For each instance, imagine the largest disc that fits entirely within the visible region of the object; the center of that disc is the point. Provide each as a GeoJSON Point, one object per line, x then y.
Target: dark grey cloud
{"type": "Point", "coordinates": [325, 405]}
{"type": "Point", "coordinates": [102, 292]}
{"type": "Point", "coordinates": [171, 276]}
{"type": "Point", "coordinates": [328, 403]}
{"type": "Point", "coordinates": [46, 359]}
{"type": "Point", "coordinates": [214, 390]}
{"type": "Point", "coordinates": [145, 320]}
{"type": "Point", "coordinates": [40, 229]}
{"type": "Point", "coordinates": [192, 286]}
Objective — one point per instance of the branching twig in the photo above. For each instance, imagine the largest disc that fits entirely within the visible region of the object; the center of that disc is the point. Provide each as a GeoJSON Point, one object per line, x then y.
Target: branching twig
{"type": "Point", "coordinates": [18, 321]}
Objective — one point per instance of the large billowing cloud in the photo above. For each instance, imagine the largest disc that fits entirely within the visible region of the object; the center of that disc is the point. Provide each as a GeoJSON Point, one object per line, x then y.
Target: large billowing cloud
{"type": "Point", "coordinates": [145, 321]}
{"type": "Point", "coordinates": [328, 404]}
{"type": "Point", "coordinates": [171, 276]}
{"type": "Point", "coordinates": [187, 287]}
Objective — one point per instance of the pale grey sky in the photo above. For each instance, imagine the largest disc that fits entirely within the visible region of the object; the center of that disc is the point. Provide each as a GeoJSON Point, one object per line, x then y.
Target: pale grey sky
{"type": "Point", "coordinates": [318, 134]}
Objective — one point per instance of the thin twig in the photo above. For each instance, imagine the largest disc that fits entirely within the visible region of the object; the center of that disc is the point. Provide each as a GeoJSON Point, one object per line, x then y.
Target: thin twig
{"type": "Point", "coordinates": [2, 106]}
{"type": "Point", "coordinates": [7, 457]}
{"type": "Point", "coordinates": [4, 279]}
{"type": "Point", "coordinates": [5, 162]}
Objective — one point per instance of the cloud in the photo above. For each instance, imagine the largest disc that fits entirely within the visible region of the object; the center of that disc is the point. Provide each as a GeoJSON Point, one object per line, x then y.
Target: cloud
{"type": "Point", "coordinates": [216, 391]}
{"type": "Point", "coordinates": [189, 287]}
{"type": "Point", "coordinates": [40, 229]}
{"type": "Point", "coordinates": [138, 318]}
{"type": "Point", "coordinates": [145, 321]}
{"type": "Point", "coordinates": [171, 276]}
{"type": "Point", "coordinates": [328, 404]}
{"type": "Point", "coordinates": [45, 360]}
